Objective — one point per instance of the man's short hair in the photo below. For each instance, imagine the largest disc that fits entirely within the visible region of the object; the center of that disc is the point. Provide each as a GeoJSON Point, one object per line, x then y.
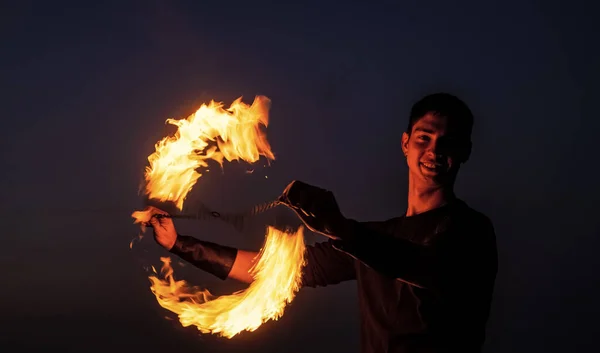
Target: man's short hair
{"type": "Point", "coordinates": [455, 110]}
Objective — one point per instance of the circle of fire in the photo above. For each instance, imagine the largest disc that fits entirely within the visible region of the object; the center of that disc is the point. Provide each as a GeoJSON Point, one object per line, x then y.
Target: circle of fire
{"type": "Point", "coordinates": [218, 134]}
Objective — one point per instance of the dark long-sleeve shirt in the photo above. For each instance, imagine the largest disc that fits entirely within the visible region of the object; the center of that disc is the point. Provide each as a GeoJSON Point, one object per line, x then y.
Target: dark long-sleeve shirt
{"type": "Point", "coordinates": [425, 282]}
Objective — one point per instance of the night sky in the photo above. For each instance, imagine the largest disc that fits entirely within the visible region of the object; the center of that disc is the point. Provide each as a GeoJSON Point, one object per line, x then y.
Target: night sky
{"type": "Point", "coordinates": [86, 89]}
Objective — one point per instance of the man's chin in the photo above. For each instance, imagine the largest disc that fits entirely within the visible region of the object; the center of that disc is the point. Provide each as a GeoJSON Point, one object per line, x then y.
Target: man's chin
{"type": "Point", "coordinates": [435, 181]}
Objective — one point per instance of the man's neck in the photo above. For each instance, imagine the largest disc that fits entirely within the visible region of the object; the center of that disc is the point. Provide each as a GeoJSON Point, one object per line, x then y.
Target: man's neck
{"type": "Point", "coordinates": [423, 199]}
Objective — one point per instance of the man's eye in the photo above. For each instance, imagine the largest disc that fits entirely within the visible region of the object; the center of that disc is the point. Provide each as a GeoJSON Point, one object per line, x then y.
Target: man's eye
{"type": "Point", "coordinates": [423, 138]}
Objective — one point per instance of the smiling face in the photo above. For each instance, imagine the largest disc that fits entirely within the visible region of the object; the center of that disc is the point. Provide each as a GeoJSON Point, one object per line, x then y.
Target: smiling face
{"type": "Point", "coordinates": [434, 150]}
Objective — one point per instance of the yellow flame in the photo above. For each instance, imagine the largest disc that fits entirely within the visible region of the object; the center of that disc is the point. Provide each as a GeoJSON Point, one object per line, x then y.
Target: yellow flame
{"type": "Point", "coordinates": [211, 133]}
{"type": "Point", "coordinates": [276, 274]}
{"type": "Point", "coordinates": [215, 133]}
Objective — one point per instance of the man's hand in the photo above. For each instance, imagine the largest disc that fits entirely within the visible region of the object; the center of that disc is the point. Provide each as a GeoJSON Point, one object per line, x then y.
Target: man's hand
{"type": "Point", "coordinates": [316, 207]}
{"type": "Point", "coordinates": [164, 229]}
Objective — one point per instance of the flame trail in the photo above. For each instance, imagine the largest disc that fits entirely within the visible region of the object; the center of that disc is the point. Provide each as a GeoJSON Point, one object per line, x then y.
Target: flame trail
{"type": "Point", "coordinates": [218, 134]}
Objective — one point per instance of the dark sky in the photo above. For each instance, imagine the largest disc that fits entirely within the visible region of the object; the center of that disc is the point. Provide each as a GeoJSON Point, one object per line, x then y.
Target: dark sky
{"type": "Point", "coordinates": [85, 91]}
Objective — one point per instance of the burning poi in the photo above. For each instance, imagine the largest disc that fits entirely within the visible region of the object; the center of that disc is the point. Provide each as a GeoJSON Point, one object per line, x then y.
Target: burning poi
{"type": "Point", "coordinates": [218, 134]}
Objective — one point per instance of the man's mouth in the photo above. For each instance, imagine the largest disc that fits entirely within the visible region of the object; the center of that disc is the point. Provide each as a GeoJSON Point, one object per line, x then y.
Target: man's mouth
{"type": "Point", "coordinates": [432, 167]}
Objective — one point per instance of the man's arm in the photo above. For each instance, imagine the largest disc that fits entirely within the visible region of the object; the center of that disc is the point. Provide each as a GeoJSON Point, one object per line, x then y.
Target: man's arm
{"type": "Point", "coordinates": [460, 252]}
{"type": "Point", "coordinates": [241, 267]}
{"type": "Point", "coordinates": [210, 257]}
{"type": "Point", "coordinates": [325, 265]}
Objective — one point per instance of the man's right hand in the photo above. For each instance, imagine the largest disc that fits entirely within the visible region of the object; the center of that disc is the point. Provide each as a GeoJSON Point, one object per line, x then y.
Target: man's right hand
{"type": "Point", "coordinates": [219, 260]}
{"type": "Point", "coordinates": [164, 230]}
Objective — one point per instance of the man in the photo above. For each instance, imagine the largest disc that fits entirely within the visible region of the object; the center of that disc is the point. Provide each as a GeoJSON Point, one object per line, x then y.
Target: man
{"type": "Point", "coordinates": [425, 279]}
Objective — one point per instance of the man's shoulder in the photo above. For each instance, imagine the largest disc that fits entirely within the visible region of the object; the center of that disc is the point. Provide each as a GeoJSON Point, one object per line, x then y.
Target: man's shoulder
{"type": "Point", "coordinates": [473, 225]}
{"type": "Point", "coordinates": [386, 225]}
{"type": "Point", "coordinates": [465, 214]}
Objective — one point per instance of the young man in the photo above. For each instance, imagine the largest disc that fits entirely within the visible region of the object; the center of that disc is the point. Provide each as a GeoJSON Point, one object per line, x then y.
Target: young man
{"type": "Point", "coordinates": [425, 279]}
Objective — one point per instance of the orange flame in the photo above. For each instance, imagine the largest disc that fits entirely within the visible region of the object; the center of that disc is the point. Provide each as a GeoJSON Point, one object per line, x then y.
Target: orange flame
{"type": "Point", "coordinates": [276, 280]}
{"type": "Point", "coordinates": [215, 133]}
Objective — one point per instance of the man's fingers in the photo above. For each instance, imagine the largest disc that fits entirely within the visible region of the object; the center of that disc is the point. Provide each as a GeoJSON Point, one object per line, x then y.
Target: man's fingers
{"type": "Point", "coordinates": [154, 210]}
{"type": "Point", "coordinates": [154, 213]}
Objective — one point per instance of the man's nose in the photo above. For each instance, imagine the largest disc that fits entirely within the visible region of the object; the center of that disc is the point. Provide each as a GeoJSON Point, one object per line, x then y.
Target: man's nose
{"type": "Point", "coordinates": [436, 149]}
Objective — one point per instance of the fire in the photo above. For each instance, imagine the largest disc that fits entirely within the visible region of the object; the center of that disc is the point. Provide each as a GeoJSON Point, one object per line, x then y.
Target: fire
{"type": "Point", "coordinates": [218, 134]}
{"type": "Point", "coordinates": [211, 133]}
{"type": "Point", "coordinates": [276, 276]}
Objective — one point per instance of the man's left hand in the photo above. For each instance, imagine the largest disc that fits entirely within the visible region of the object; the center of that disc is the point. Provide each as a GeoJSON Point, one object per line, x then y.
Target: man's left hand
{"type": "Point", "coordinates": [316, 207]}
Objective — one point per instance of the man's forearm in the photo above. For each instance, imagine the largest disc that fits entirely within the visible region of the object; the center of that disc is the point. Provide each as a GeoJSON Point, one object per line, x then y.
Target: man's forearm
{"type": "Point", "coordinates": [461, 254]}
{"type": "Point", "coordinates": [213, 258]}
{"type": "Point", "coordinates": [393, 257]}
{"type": "Point", "coordinates": [241, 266]}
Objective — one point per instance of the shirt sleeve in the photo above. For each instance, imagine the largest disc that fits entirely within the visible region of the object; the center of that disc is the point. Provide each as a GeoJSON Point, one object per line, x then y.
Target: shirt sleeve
{"type": "Point", "coordinates": [464, 253]}
{"type": "Point", "coordinates": [326, 265]}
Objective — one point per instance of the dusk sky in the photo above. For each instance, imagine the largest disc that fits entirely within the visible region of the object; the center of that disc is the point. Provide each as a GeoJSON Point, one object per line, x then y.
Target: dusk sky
{"type": "Point", "coordinates": [86, 89]}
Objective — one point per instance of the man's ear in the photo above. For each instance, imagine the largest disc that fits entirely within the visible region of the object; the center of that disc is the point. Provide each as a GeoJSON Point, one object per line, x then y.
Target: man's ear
{"type": "Point", "coordinates": [466, 154]}
{"type": "Point", "coordinates": [405, 138]}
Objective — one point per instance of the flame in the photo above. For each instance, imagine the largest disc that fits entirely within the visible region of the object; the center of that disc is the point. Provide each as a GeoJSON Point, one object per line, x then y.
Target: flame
{"type": "Point", "coordinates": [276, 274]}
{"type": "Point", "coordinates": [218, 134]}
{"type": "Point", "coordinates": [211, 133]}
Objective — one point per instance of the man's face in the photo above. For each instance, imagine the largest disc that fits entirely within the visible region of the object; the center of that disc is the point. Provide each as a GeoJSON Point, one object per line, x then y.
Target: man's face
{"type": "Point", "coordinates": [434, 151]}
